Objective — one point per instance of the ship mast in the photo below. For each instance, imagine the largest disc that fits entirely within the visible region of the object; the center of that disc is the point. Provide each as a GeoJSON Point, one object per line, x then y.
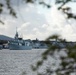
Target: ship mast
{"type": "Point", "coordinates": [16, 35]}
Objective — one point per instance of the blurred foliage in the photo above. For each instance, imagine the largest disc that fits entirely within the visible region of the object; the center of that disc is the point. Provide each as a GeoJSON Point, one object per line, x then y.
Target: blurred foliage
{"type": "Point", "coordinates": [9, 7]}
{"type": "Point", "coordinates": [11, 10]}
{"type": "Point", "coordinates": [29, 1]}
{"type": "Point", "coordinates": [1, 22]}
{"type": "Point", "coordinates": [1, 7]}
{"type": "Point", "coordinates": [67, 63]}
{"type": "Point", "coordinates": [23, 73]}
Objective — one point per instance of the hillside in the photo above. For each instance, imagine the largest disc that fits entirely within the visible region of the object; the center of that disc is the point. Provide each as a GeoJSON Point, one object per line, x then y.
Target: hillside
{"type": "Point", "coordinates": [6, 38]}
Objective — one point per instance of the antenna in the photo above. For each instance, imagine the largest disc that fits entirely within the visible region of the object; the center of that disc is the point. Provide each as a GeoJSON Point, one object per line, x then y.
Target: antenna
{"type": "Point", "coordinates": [16, 35]}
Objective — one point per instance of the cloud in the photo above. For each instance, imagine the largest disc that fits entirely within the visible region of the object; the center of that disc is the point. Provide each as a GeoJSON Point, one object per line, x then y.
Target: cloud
{"type": "Point", "coordinates": [29, 22]}
{"type": "Point", "coordinates": [68, 32]}
{"type": "Point", "coordinates": [23, 26]}
{"type": "Point", "coordinates": [37, 22]}
{"type": "Point", "coordinates": [57, 23]}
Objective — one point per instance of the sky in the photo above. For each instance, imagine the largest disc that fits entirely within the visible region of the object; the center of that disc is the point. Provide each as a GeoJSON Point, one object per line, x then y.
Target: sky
{"type": "Point", "coordinates": [36, 21]}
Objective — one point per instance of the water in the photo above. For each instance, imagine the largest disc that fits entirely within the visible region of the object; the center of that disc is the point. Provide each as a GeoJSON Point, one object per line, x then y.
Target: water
{"type": "Point", "coordinates": [15, 62]}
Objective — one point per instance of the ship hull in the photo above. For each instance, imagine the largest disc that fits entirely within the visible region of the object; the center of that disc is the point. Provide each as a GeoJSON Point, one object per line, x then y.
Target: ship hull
{"type": "Point", "coordinates": [17, 47]}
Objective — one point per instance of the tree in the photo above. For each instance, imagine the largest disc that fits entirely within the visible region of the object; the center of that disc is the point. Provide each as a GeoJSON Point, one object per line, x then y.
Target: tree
{"type": "Point", "coordinates": [65, 60]}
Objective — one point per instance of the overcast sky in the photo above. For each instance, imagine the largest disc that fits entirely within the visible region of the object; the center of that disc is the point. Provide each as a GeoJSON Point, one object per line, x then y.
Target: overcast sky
{"type": "Point", "coordinates": [35, 21]}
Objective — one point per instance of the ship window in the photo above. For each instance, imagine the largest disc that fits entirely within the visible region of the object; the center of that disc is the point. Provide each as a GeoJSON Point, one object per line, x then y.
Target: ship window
{"type": "Point", "coordinates": [23, 44]}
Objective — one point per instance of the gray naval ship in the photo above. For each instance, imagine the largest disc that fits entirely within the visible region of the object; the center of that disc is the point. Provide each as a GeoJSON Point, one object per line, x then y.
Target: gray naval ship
{"type": "Point", "coordinates": [19, 43]}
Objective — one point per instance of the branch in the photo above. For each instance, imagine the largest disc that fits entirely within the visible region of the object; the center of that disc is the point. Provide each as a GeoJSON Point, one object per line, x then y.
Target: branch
{"type": "Point", "coordinates": [64, 3]}
{"type": "Point", "coordinates": [1, 22]}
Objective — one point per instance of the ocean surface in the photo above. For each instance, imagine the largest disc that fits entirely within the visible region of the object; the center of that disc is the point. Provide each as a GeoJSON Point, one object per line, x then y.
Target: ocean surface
{"type": "Point", "coordinates": [18, 62]}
